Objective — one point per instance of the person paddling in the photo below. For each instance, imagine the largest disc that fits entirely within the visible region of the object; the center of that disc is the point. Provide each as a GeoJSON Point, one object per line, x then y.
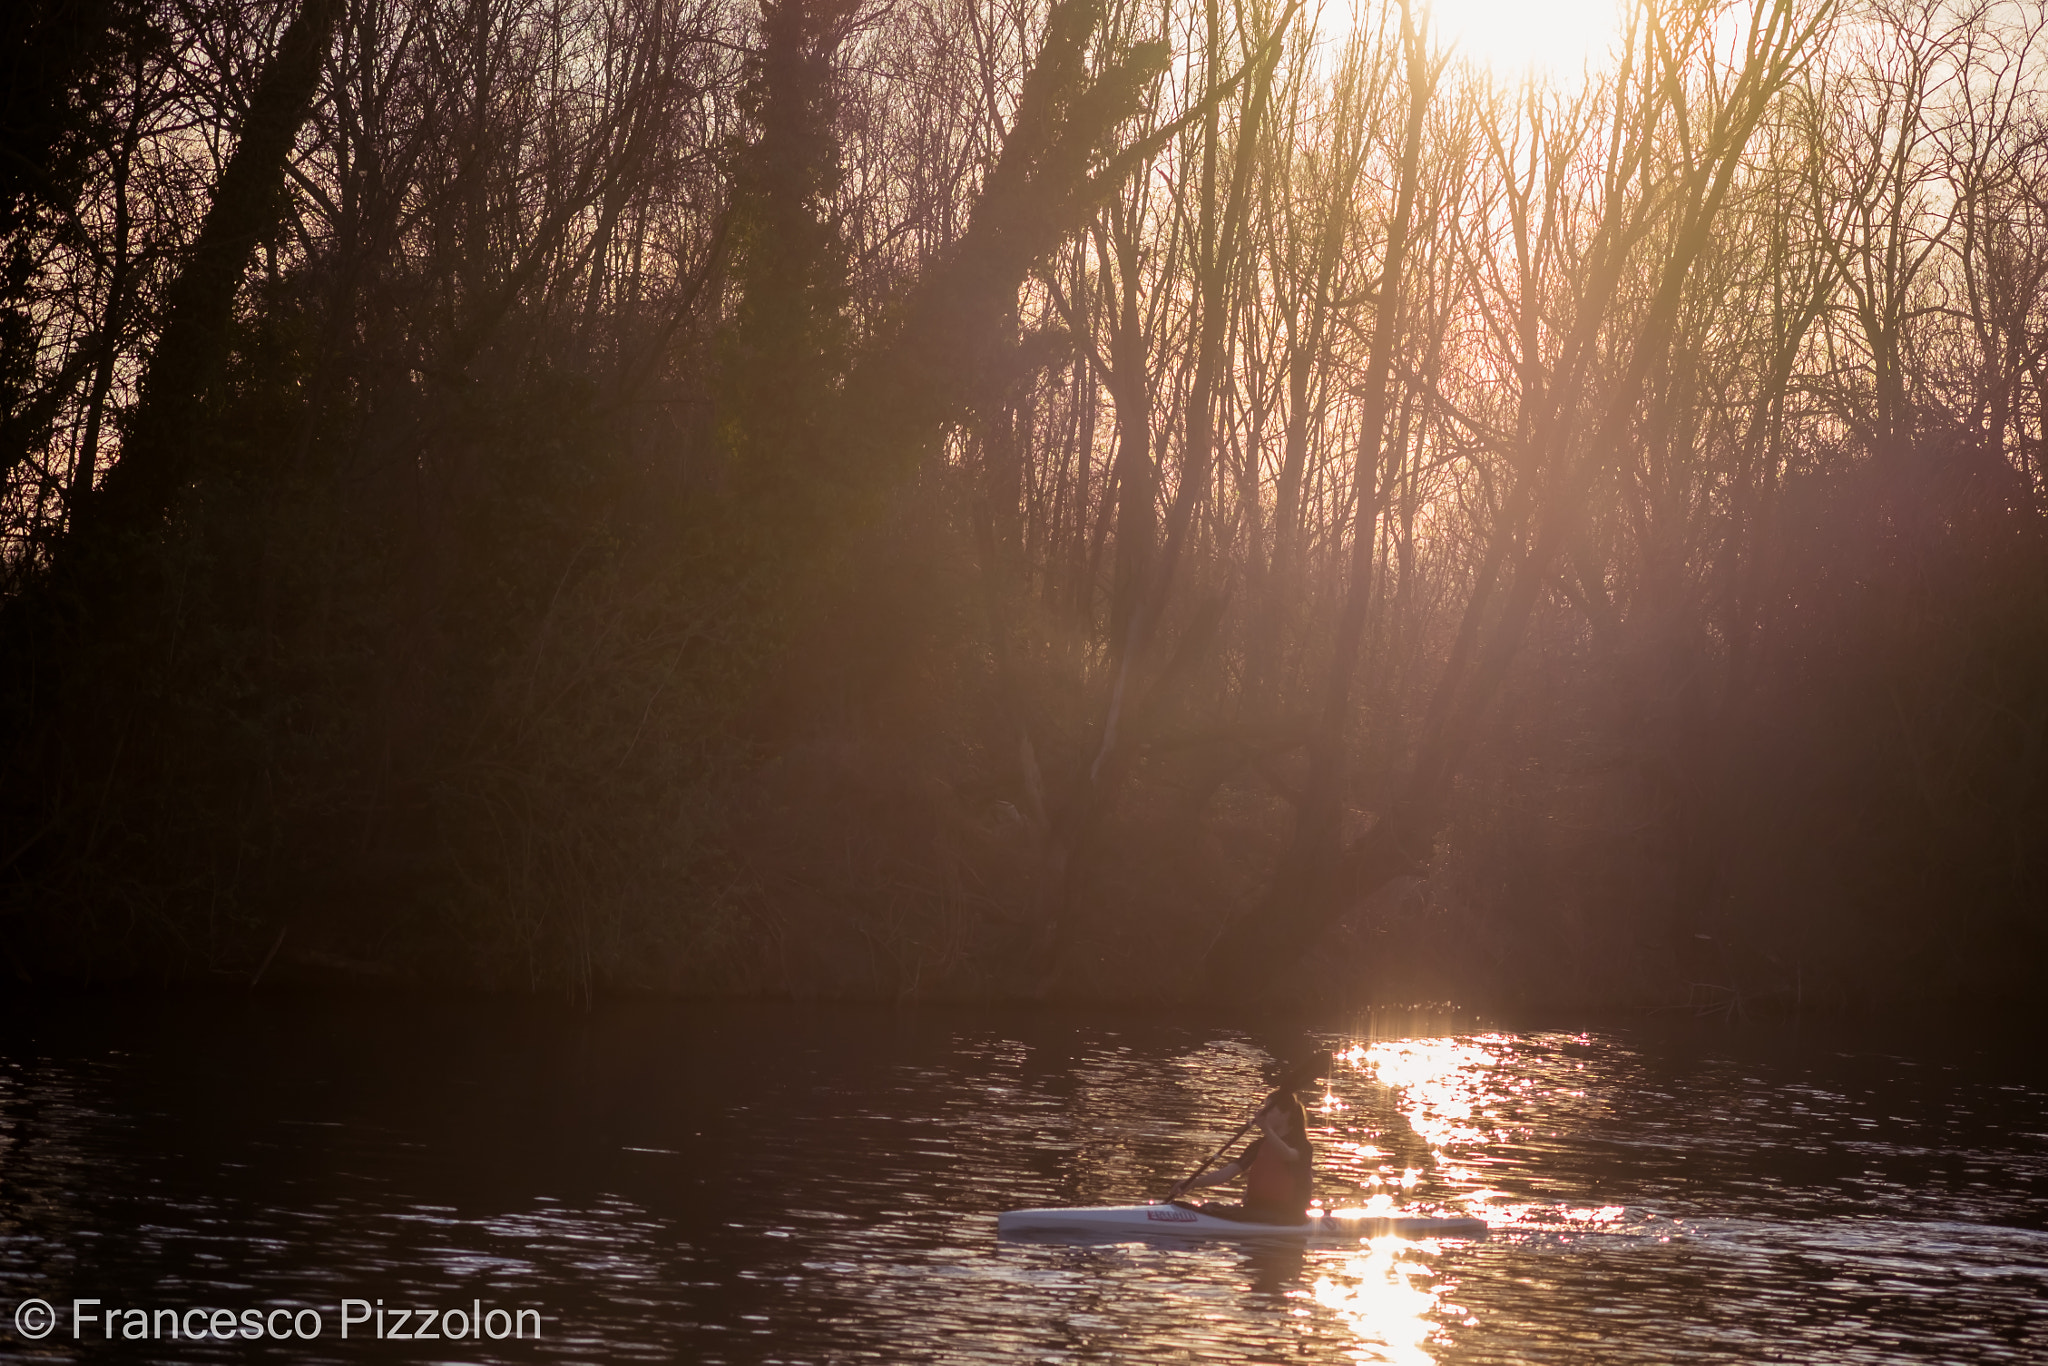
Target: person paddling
{"type": "Point", "coordinates": [1278, 1168]}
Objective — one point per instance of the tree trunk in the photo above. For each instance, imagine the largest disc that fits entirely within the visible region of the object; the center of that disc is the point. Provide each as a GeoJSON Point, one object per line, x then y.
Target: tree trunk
{"type": "Point", "coordinates": [158, 456]}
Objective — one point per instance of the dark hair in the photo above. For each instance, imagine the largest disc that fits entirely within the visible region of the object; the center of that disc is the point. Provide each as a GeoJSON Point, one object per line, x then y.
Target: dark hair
{"type": "Point", "coordinates": [1290, 1106]}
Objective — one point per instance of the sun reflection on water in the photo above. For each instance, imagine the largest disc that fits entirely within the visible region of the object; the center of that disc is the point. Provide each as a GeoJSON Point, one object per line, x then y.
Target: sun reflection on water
{"type": "Point", "coordinates": [1444, 1090]}
{"type": "Point", "coordinates": [1388, 1293]}
{"type": "Point", "coordinates": [1390, 1299]}
{"type": "Point", "coordinates": [1440, 1082]}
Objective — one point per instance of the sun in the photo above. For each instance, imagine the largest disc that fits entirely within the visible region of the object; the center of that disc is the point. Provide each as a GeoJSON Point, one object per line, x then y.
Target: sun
{"type": "Point", "coordinates": [1553, 38]}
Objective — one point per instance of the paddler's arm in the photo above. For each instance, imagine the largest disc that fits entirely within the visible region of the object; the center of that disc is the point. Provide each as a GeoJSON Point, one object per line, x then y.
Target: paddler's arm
{"type": "Point", "coordinates": [1269, 1125]}
{"type": "Point", "coordinates": [1280, 1145]}
{"type": "Point", "coordinates": [1229, 1171]}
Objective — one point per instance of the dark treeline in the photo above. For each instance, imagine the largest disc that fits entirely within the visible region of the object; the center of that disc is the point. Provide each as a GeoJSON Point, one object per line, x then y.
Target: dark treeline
{"type": "Point", "coordinates": [1109, 497]}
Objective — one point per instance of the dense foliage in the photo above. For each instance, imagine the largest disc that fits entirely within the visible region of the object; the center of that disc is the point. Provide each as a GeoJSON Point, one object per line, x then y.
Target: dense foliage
{"type": "Point", "coordinates": [928, 497]}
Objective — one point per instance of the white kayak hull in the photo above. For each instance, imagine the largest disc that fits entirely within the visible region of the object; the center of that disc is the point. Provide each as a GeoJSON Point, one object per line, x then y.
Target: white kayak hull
{"type": "Point", "coordinates": [1182, 1221]}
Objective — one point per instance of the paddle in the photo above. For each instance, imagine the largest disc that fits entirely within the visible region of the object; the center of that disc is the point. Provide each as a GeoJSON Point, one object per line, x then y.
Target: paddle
{"type": "Point", "coordinates": [1301, 1074]}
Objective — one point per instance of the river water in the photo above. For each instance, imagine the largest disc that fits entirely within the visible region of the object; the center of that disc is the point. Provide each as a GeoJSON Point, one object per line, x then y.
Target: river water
{"type": "Point", "coordinates": [794, 1185]}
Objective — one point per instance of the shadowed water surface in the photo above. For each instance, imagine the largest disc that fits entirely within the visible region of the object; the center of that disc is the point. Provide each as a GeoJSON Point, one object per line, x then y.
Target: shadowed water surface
{"type": "Point", "coordinates": [754, 1185]}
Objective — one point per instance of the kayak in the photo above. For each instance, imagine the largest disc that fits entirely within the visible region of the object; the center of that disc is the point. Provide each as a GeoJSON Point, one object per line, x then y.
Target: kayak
{"type": "Point", "coordinates": [1175, 1220]}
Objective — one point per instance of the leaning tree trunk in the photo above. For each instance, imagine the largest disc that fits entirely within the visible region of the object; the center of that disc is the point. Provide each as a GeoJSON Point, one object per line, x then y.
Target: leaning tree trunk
{"type": "Point", "coordinates": [158, 455]}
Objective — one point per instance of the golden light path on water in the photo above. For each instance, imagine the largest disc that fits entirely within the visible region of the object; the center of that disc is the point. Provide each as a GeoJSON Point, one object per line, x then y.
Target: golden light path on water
{"type": "Point", "coordinates": [1383, 1294]}
{"type": "Point", "coordinates": [1446, 1090]}
{"type": "Point", "coordinates": [1387, 1293]}
{"type": "Point", "coordinates": [1515, 37]}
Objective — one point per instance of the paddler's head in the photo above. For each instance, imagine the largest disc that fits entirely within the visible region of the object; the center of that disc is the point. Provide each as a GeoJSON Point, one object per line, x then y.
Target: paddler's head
{"type": "Point", "coordinates": [1284, 1111]}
